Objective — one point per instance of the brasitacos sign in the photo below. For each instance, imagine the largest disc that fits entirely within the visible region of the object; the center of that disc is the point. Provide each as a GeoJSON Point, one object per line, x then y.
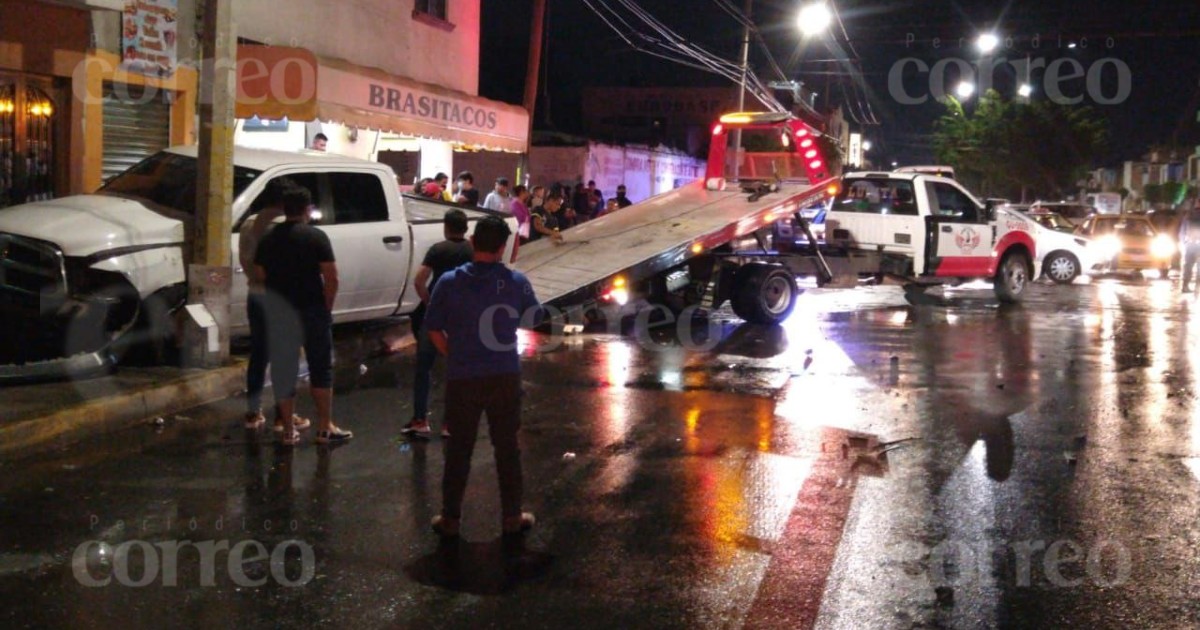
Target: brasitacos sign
{"type": "Point", "coordinates": [411, 103]}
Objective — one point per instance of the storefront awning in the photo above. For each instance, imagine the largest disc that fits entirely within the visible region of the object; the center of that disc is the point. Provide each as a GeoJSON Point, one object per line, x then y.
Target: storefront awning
{"type": "Point", "coordinates": [372, 99]}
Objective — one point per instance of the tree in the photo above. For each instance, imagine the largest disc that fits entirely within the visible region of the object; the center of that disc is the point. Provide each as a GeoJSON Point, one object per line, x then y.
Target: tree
{"type": "Point", "coordinates": [1004, 148]}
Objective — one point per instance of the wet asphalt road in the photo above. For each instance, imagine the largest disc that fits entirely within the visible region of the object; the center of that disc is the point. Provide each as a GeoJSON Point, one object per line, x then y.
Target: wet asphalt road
{"type": "Point", "coordinates": [870, 464]}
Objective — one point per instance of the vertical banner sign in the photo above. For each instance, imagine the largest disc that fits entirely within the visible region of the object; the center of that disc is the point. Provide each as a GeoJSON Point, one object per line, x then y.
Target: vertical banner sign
{"type": "Point", "coordinates": [149, 30]}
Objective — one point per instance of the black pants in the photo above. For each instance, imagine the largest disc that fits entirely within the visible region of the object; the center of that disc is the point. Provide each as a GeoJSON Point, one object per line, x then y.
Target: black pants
{"type": "Point", "coordinates": [466, 399]}
{"type": "Point", "coordinates": [288, 330]}
{"type": "Point", "coordinates": [256, 371]}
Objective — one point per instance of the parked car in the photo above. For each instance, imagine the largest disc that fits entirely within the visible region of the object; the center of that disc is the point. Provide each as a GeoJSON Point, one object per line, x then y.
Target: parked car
{"type": "Point", "coordinates": [1052, 220]}
{"type": "Point", "coordinates": [786, 234]}
{"type": "Point", "coordinates": [87, 278]}
{"type": "Point", "coordinates": [1066, 255]}
{"type": "Point", "coordinates": [1129, 243]}
{"type": "Point", "coordinates": [1074, 212]}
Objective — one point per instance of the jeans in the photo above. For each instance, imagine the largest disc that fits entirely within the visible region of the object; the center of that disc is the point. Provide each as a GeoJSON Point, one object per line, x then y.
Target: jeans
{"type": "Point", "coordinates": [427, 355]}
{"type": "Point", "coordinates": [256, 372]}
{"type": "Point", "coordinates": [290, 329]}
{"type": "Point", "coordinates": [499, 397]}
{"type": "Point", "coordinates": [1191, 254]}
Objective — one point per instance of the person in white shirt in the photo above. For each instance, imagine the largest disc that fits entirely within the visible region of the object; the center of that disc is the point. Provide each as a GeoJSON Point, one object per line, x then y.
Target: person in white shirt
{"type": "Point", "coordinates": [499, 199]}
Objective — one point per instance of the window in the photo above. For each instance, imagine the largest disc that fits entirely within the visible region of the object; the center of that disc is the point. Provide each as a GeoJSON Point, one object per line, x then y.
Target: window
{"type": "Point", "coordinates": [168, 180]}
{"type": "Point", "coordinates": [357, 198]}
{"type": "Point", "coordinates": [948, 201]}
{"type": "Point", "coordinates": [877, 196]}
{"type": "Point", "coordinates": [433, 11]}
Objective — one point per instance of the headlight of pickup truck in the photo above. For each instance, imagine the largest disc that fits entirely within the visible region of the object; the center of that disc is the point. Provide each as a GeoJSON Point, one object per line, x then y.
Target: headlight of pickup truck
{"type": "Point", "coordinates": [1162, 247]}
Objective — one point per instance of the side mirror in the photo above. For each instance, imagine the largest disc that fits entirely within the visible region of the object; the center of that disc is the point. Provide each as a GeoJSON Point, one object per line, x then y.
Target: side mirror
{"type": "Point", "coordinates": [989, 210]}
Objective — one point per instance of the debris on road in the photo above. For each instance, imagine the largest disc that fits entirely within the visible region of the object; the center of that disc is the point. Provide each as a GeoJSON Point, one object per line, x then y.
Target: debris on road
{"type": "Point", "coordinates": [568, 456]}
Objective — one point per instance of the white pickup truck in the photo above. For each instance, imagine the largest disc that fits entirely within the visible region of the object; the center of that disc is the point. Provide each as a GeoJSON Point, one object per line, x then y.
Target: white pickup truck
{"type": "Point", "coordinates": [85, 278]}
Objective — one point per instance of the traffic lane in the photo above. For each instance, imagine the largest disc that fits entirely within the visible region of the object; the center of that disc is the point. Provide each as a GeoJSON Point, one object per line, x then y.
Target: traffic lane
{"type": "Point", "coordinates": [682, 486]}
{"type": "Point", "coordinates": [662, 463]}
{"type": "Point", "coordinates": [1069, 422]}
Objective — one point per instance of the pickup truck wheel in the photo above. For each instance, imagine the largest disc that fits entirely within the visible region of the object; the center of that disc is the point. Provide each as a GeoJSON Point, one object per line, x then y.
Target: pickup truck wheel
{"type": "Point", "coordinates": [1012, 278]}
{"type": "Point", "coordinates": [764, 294]}
{"type": "Point", "coordinates": [1061, 267]}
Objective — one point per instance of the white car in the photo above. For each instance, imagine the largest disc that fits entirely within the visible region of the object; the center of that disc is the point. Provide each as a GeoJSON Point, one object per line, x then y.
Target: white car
{"type": "Point", "coordinates": [1066, 255]}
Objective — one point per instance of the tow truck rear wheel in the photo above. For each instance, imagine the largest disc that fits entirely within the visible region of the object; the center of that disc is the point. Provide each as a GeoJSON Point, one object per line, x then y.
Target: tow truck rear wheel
{"type": "Point", "coordinates": [1012, 278]}
{"type": "Point", "coordinates": [764, 294]}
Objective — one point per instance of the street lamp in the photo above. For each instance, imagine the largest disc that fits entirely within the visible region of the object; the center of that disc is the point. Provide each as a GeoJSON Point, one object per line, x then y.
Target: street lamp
{"type": "Point", "coordinates": [965, 89]}
{"type": "Point", "coordinates": [814, 19]}
{"type": "Point", "coordinates": [1025, 91]}
{"type": "Point", "coordinates": [866, 146]}
{"type": "Point", "coordinates": [987, 43]}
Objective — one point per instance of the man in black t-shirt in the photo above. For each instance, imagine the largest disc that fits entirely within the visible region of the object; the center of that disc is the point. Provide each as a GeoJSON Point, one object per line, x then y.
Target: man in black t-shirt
{"type": "Point", "coordinates": [468, 194]}
{"type": "Point", "coordinates": [449, 254]}
{"type": "Point", "coordinates": [296, 265]}
{"type": "Point", "coordinates": [547, 221]}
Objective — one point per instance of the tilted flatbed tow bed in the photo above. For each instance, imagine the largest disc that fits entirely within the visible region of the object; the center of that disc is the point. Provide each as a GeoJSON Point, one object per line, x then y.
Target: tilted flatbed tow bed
{"type": "Point", "coordinates": [652, 237]}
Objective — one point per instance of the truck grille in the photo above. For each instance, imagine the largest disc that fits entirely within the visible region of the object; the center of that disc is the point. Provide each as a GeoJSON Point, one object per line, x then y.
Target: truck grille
{"type": "Point", "coordinates": [31, 266]}
{"type": "Point", "coordinates": [1136, 251]}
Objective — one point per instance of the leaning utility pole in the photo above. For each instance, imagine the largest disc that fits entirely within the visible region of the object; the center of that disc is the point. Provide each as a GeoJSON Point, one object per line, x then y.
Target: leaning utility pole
{"type": "Point", "coordinates": [533, 72]}
{"type": "Point", "coordinates": [210, 273]}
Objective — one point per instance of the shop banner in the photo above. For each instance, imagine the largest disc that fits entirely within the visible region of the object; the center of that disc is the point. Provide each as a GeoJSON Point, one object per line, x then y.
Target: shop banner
{"type": "Point", "coordinates": [149, 30]}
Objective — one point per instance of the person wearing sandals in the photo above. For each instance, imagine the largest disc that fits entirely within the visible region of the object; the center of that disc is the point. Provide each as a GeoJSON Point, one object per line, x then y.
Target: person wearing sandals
{"type": "Point", "coordinates": [296, 265]}
{"type": "Point", "coordinates": [472, 319]}
{"type": "Point", "coordinates": [269, 208]}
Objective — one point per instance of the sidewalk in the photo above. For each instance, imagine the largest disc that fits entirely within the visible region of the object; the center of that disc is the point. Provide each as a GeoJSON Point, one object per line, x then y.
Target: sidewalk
{"type": "Point", "coordinates": [41, 417]}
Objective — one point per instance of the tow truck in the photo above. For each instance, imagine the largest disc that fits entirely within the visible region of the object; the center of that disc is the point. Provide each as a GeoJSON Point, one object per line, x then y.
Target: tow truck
{"type": "Point", "coordinates": [705, 244]}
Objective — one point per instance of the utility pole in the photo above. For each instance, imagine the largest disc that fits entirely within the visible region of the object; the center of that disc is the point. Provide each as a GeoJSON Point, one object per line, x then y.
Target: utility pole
{"type": "Point", "coordinates": [210, 273]}
{"type": "Point", "coordinates": [533, 72]}
{"type": "Point", "coordinates": [737, 133]}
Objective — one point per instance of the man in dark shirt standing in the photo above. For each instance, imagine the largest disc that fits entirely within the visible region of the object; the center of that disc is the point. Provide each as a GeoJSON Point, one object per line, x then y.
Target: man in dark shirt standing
{"type": "Point", "coordinates": [296, 264]}
{"type": "Point", "coordinates": [468, 194]}
{"type": "Point", "coordinates": [622, 200]}
{"type": "Point", "coordinates": [449, 254]}
{"type": "Point", "coordinates": [473, 318]}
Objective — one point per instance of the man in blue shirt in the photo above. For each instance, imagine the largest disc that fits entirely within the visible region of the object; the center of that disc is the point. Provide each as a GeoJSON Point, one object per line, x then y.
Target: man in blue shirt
{"type": "Point", "coordinates": [473, 317]}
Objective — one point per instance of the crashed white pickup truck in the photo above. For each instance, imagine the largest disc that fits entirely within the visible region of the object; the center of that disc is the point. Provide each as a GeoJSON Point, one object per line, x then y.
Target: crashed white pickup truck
{"type": "Point", "coordinates": [86, 279]}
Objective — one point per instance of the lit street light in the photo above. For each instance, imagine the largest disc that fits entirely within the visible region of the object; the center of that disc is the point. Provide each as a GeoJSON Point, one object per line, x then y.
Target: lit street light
{"type": "Point", "coordinates": [965, 89]}
{"type": "Point", "coordinates": [814, 19]}
{"type": "Point", "coordinates": [1025, 91]}
{"type": "Point", "coordinates": [988, 43]}
{"type": "Point", "coordinates": [866, 146]}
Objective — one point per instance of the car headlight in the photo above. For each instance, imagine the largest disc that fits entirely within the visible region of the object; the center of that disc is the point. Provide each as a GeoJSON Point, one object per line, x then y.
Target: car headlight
{"type": "Point", "coordinates": [1109, 246]}
{"type": "Point", "coordinates": [1162, 247]}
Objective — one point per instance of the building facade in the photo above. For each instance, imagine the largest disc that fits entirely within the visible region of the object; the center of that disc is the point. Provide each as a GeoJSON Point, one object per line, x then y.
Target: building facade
{"type": "Point", "coordinates": [70, 109]}
{"type": "Point", "coordinates": [396, 81]}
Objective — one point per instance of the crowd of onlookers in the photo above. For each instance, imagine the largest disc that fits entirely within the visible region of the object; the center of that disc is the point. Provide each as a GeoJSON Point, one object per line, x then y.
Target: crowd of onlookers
{"type": "Point", "coordinates": [541, 211]}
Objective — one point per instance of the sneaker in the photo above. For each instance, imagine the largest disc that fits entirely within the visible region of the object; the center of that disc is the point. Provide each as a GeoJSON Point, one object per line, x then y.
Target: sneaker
{"type": "Point", "coordinates": [417, 429]}
{"type": "Point", "coordinates": [298, 423]}
{"type": "Point", "coordinates": [335, 436]}
{"type": "Point", "coordinates": [445, 527]}
{"type": "Point", "coordinates": [254, 420]}
{"type": "Point", "coordinates": [519, 524]}
{"type": "Point", "coordinates": [291, 440]}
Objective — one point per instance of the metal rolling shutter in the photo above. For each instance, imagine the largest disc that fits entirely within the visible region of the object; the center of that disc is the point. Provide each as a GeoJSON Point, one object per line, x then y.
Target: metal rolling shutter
{"type": "Point", "coordinates": [133, 130]}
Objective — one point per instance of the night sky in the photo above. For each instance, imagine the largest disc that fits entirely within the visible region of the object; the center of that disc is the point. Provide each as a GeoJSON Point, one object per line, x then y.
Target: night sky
{"type": "Point", "coordinates": [1158, 41]}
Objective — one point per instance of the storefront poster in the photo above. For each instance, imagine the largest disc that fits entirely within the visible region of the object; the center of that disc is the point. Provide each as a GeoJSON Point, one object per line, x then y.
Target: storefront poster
{"type": "Point", "coordinates": [149, 29]}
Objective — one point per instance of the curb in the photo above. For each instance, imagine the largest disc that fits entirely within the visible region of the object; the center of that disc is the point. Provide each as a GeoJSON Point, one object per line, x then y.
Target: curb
{"type": "Point", "coordinates": [113, 413]}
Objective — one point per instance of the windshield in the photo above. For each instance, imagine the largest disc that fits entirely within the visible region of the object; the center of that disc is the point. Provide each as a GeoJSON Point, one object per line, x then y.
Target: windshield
{"type": "Point", "coordinates": [766, 154]}
{"type": "Point", "coordinates": [169, 180]}
{"type": "Point", "coordinates": [1054, 222]}
{"type": "Point", "coordinates": [1127, 227]}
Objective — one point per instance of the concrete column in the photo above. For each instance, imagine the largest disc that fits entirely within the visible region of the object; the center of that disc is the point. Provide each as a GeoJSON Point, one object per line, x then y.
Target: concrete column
{"type": "Point", "coordinates": [210, 272]}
